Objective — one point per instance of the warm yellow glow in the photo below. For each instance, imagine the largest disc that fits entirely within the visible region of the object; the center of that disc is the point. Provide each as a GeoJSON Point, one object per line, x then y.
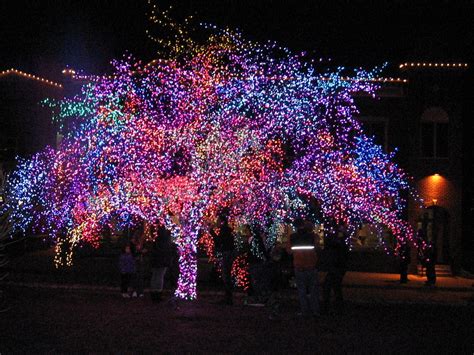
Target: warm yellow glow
{"type": "Point", "coordinates": [435, 190]}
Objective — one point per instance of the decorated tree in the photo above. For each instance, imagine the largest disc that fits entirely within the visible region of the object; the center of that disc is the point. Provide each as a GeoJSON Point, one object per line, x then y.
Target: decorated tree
{"type": "Point", "coordinates": [224, 123]}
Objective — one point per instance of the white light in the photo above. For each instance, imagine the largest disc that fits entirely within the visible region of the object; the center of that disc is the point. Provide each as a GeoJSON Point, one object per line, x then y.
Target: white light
{"type": "Point", "coordinates": [303, 247]}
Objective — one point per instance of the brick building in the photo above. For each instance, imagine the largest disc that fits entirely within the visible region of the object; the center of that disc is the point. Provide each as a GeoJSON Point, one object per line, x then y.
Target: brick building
{"type": "Point", "coordinates": [422, 115]}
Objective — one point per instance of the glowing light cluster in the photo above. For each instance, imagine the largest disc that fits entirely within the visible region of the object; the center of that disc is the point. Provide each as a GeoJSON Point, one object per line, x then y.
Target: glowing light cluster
{"type": "Point", "coordinates": [221, 124]}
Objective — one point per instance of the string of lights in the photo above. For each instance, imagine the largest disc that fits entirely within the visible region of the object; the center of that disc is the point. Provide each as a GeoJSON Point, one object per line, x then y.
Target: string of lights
{"type": "Point", "coordinates": [432, 65]}
{"type": "Point", "coordinates": [30, 76]}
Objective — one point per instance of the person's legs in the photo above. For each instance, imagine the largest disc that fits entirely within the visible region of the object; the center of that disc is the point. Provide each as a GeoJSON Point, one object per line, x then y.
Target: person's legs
{"type": "Point", "coordinates": [430, 274]}
{"type": "Point", "coordinates": [403, 272]}
{"type": "Point", "coordinates": [227, 260]}
{"type": "Point", "coordinates": [124, 283]}
{"type": "Point", "coordinates": [160, 278]}
{"type": "Point", "coordinates": [263, 287]}
{"type": "Point", "coordinates": [140, 281]}
{"type": "Point", "coordinates": [154, 279]}
{"type": "Point", "coordinates": [327, 287]}
{"type": "Point", "coordinates": [157, 281]}
{"type": "Point", "coordinates": [134, 283]}
{"type": "Point", "coordinates": [154, 283]}
{"type": "Point", "coordinates": [313, 287]}
{"type": "Point", "coordinates": [337, 287]}
{"type": "Point", "coordinates": [267, 280]}
{"type": "Point", "coordinates": [255, 280]}
{"type": "Point", "coordinates": [274, 303]}
{"type": "Point", "coordinates": [301, 284]}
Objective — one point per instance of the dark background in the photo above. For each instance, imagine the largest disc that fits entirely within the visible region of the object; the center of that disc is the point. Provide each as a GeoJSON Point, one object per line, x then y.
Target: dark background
{"type": "Point", "coordinates": [43, 37]}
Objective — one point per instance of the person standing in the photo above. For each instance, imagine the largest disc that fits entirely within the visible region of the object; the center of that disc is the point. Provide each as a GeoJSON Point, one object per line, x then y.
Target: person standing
{"type": "Point", "coordinates": [140, 265]}
{"type": "Point", "coordinates": [127, 269]}
{"type": "Point", "coordinates": [430, 263]}
{"type": "Point", "coordinates": [302, 245]}
{"type": "Point", "coordinates": [257, 259]}
{"type": "Point", "coordinates": [337, 252]}
{"type": "Point", "coordinates": [161, 257]}
{"type": "Point", "coordinates": [224, 246]}
{"type": "Point", "coordinates": [405, 259]}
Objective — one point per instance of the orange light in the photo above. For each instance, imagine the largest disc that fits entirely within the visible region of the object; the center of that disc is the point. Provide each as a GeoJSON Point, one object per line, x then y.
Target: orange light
{"type": "Point", "coordinates": [435, 190]}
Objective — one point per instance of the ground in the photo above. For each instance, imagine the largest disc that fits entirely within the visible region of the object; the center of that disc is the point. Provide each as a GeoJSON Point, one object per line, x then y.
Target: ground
{"type": "Point", "coordinates": [59, 320]}
{"type": "Point", "coordinates": [80, 309]}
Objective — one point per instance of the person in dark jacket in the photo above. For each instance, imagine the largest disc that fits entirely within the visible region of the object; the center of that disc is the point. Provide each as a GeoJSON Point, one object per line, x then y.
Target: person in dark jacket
{"type": "Point", "coordinates": [405, 259]}
{"type": "Point", "coordinates": [337, 253]}
{"type": "Point", "coordinates": [224, 246]}
{"type": "Point", "coordinates": [127, 269]}
{"type": "Point", "coordinates": [161, 257]}
{"type": "Point", "coordinates": [257, 259]}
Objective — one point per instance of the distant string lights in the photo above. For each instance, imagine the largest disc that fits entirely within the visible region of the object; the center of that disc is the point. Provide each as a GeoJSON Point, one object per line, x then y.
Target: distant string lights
{"type": "Point", "coordinates": [85, 77]}
{"type": "Point", "coordinates": [377, 80]}
{"type": "Point", "coordinates": [412, 65]}
{"type": "Point", "coordinates": [30, 76]}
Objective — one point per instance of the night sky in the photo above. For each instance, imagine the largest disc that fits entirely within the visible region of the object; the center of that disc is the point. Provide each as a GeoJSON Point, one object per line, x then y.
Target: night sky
{"type": "Point", "coordinates": [44, 36]}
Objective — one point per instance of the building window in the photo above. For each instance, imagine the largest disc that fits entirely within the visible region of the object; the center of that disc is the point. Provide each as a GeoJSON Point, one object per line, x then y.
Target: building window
{"type": "Point", "coordinates": [376, 127]}
{"type": "Point", "coordinates": [434, 140]}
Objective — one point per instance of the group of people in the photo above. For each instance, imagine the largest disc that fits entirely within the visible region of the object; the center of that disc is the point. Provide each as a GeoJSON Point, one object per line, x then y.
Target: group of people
{"type": "Point", "coordinates": [264, 263]}
{"type": "Point", "coordinates": [132, 263]}
{"type": "Point", "coordinates": [426, 256]}
{"type": "Point", "coordinates": [264, 267]}
{"type": "Point", "coordinates": [302, 247]}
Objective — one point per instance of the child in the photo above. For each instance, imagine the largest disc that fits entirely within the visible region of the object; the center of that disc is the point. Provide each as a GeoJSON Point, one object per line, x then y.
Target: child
{"type": "Point", "coordinates": [127, 269]}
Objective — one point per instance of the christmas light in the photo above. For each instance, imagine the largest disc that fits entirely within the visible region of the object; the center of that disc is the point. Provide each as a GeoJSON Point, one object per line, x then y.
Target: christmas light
{"type": "Point", "coordinates": [30, 76]}
{"type": "Point", "coordinates": [429, 64]}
